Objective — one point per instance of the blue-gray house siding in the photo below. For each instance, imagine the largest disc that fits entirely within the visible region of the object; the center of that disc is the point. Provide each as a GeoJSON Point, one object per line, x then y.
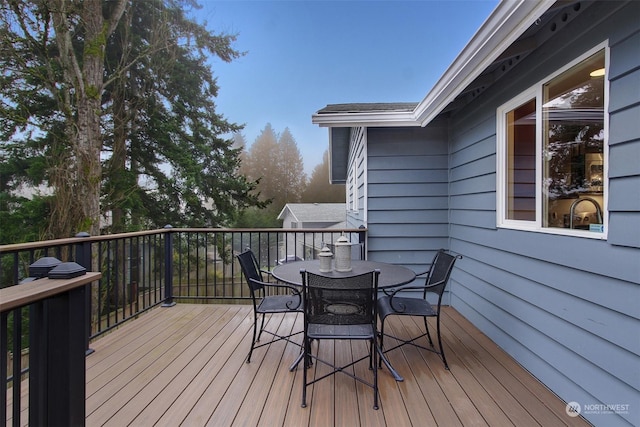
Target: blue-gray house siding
{"type": "Point", "coordinates": [407, 189]}
{"type": "Point", "coordinates": [566, 307]}
{"type": "Point", "coordinates": [624, 161]}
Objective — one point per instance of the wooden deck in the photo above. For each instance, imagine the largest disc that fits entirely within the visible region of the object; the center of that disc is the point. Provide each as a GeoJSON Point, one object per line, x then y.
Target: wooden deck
{"type": "Point", "coordinates": [185, 365]}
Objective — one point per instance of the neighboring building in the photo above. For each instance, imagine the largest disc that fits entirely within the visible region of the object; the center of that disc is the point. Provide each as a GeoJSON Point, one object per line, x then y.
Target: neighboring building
{"type": "Point", "coordinates": [525, 159]}
{"type": "Point", "coordinates": [309, 216]}
{"type": "Point", "coordinates": [313, 215]}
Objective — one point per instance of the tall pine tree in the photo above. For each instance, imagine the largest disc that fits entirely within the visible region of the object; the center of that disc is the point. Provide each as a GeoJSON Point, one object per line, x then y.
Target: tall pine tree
{"type": "Point", "coordinates": [291, 169]}
{"type": "Point", "coordinates": [126, 83]}
{"type": "Point", "coordinates": [319, 189]}
{"type": "Point", "coordinates": [275, 161]}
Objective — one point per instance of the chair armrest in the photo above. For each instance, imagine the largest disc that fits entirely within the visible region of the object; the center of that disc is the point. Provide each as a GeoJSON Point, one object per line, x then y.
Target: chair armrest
{"type": "Point", "coordinates": [399, 307]}
{"type": "Point", "coordinates": [295, 290]}
{"type": "Point", "coordinates": [392, 291]}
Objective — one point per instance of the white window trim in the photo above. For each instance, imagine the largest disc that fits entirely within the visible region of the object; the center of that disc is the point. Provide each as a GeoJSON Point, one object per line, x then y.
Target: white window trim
{"type": "Point", "coordinates": [535, 91]}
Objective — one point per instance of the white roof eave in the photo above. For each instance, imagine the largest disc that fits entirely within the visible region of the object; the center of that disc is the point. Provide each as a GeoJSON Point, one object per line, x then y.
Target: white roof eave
{"type": "Point", "coordinates": [507, 22]}
{"type": "Point", "coordinates": [393, 118]}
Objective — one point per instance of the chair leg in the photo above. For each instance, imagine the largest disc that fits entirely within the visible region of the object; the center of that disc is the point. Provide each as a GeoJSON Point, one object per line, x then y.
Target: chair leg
{"type": "Point", "coordinates": [381, 341]}
{"type": "Point", "coordinates": [296, 362]}
{"type": "Point", "coordinates": [253, 340]}
{"type": "Point", "coordinates": [372, 356]}
{"type": "Point", "coordinates": [261, 327]}
{"type": "Point", "coordinates": [426, 327]}
{"type": "Point", "coordinates": [444, 360]}
{"type": "Point", "coordinates": [307, 349]}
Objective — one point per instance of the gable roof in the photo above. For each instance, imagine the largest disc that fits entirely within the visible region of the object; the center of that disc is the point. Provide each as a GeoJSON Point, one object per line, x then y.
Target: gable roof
{"type": "Point", "coordinates": [489, 54]}
{"type": "Point", "coordinates": [330, 213]}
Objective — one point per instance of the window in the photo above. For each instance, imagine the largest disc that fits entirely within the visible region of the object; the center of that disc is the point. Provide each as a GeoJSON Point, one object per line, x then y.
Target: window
{"type": "Point", "coordinates": [354, 192]}
{"type": "Point", "coordinates": [551, 153]}
{"type": "Point", "coordinates": [521, 162]}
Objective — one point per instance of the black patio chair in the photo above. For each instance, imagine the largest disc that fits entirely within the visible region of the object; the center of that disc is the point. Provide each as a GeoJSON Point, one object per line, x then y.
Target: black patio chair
{"type": "Point", "coordinates": [263, 303]}
{"type": "Point", "coordinates": [436, 281]}
{"type": "Point", "coordinates": [340, 309]}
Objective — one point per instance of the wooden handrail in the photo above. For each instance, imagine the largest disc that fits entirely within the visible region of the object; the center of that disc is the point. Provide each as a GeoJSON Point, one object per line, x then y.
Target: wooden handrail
{"type": "Point", "coordinates": [37, 290]}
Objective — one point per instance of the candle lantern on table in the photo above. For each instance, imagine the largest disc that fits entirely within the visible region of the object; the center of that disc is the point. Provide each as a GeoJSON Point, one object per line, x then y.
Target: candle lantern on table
{"type": "Point", "coordinates": [343, 254]}
{"type": "Point", "coordinates": [325, 256]}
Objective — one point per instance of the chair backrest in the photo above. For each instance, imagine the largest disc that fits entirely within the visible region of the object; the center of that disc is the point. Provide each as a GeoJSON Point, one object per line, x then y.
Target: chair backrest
{"type": "Point", "coordinates": [441, 268]}
{"type": "Point", "coordinates": [251, 270]}
{"type": "Point", "coordinates": [340, 300]}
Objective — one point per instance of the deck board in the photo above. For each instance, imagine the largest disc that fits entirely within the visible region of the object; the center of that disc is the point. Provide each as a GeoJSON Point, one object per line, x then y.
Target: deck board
{"type": "Point", "coordinates": [186, 365]}
{"type": "Point", "coordinates": [509, 375]}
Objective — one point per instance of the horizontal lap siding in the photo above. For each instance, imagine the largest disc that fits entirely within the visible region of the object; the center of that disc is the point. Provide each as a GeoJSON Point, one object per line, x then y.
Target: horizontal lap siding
{"type": "Point", "coordinates": [407, 187]}
{"type": "Point", "coordinates": [624, 143]}
{"type": "Point", "coordinates": [565, 307]}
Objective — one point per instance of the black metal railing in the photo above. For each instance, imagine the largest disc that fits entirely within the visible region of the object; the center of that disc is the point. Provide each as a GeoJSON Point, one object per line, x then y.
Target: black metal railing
{"type": "Point", "coordinates": [145, 269]}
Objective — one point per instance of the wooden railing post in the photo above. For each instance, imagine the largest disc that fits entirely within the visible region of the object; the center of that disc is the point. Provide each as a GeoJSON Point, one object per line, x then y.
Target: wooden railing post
{"type": "Point", "coordinates": [168, 268]}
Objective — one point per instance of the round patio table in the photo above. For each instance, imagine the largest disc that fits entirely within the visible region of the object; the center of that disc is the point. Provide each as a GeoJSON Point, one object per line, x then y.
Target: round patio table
{"type": "Point", "coordinates": [390, 274]}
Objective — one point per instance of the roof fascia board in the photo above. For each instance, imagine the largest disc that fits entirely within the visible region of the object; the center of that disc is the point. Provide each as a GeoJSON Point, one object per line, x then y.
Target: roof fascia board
{"type": "Point", "coordinates": [286, 207]}
{"type": "Point", "coordinates": [507, 22]}
{"type": "Point", "coordinates": [370, 119]}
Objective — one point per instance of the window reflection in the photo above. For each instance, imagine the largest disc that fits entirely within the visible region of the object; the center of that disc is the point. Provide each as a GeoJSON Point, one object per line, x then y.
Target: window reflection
{"type": "Point", "coordinates": [573, 145]}
{"type": "Point", "coordinates": [521, 162]}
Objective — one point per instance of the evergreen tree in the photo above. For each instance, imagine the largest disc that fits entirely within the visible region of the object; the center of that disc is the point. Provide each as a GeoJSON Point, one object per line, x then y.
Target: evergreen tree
{"type": "Point", "coordinates": [261, 161]}
{"type": "Point", "coordinates": [319, 190]}
{"type": "Point", "coordinates": [125, 82]}
{"type": "Point", "coordinates": [292, 178]}
{"type": "Point", "coordinates": [275, 162]}
{"type": "Point", "coordinates": [240, 143]}
{"type": "Point", "coordinates": [191, 174]}
{"type": "Point", "coordinates": [53, 79]}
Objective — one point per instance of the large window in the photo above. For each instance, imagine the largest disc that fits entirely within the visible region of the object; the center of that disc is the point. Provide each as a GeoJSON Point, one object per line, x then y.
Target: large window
{"type": "Point", "coordinates": [551, 152]}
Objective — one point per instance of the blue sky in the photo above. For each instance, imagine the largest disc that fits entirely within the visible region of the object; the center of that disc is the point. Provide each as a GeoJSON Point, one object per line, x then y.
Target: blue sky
{"type": "Point", "coordinates": [302, 55]}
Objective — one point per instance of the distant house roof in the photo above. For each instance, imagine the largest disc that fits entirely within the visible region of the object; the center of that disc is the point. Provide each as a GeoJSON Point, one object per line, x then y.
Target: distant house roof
{"type": "Point", "coordinates": [329, 213]}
